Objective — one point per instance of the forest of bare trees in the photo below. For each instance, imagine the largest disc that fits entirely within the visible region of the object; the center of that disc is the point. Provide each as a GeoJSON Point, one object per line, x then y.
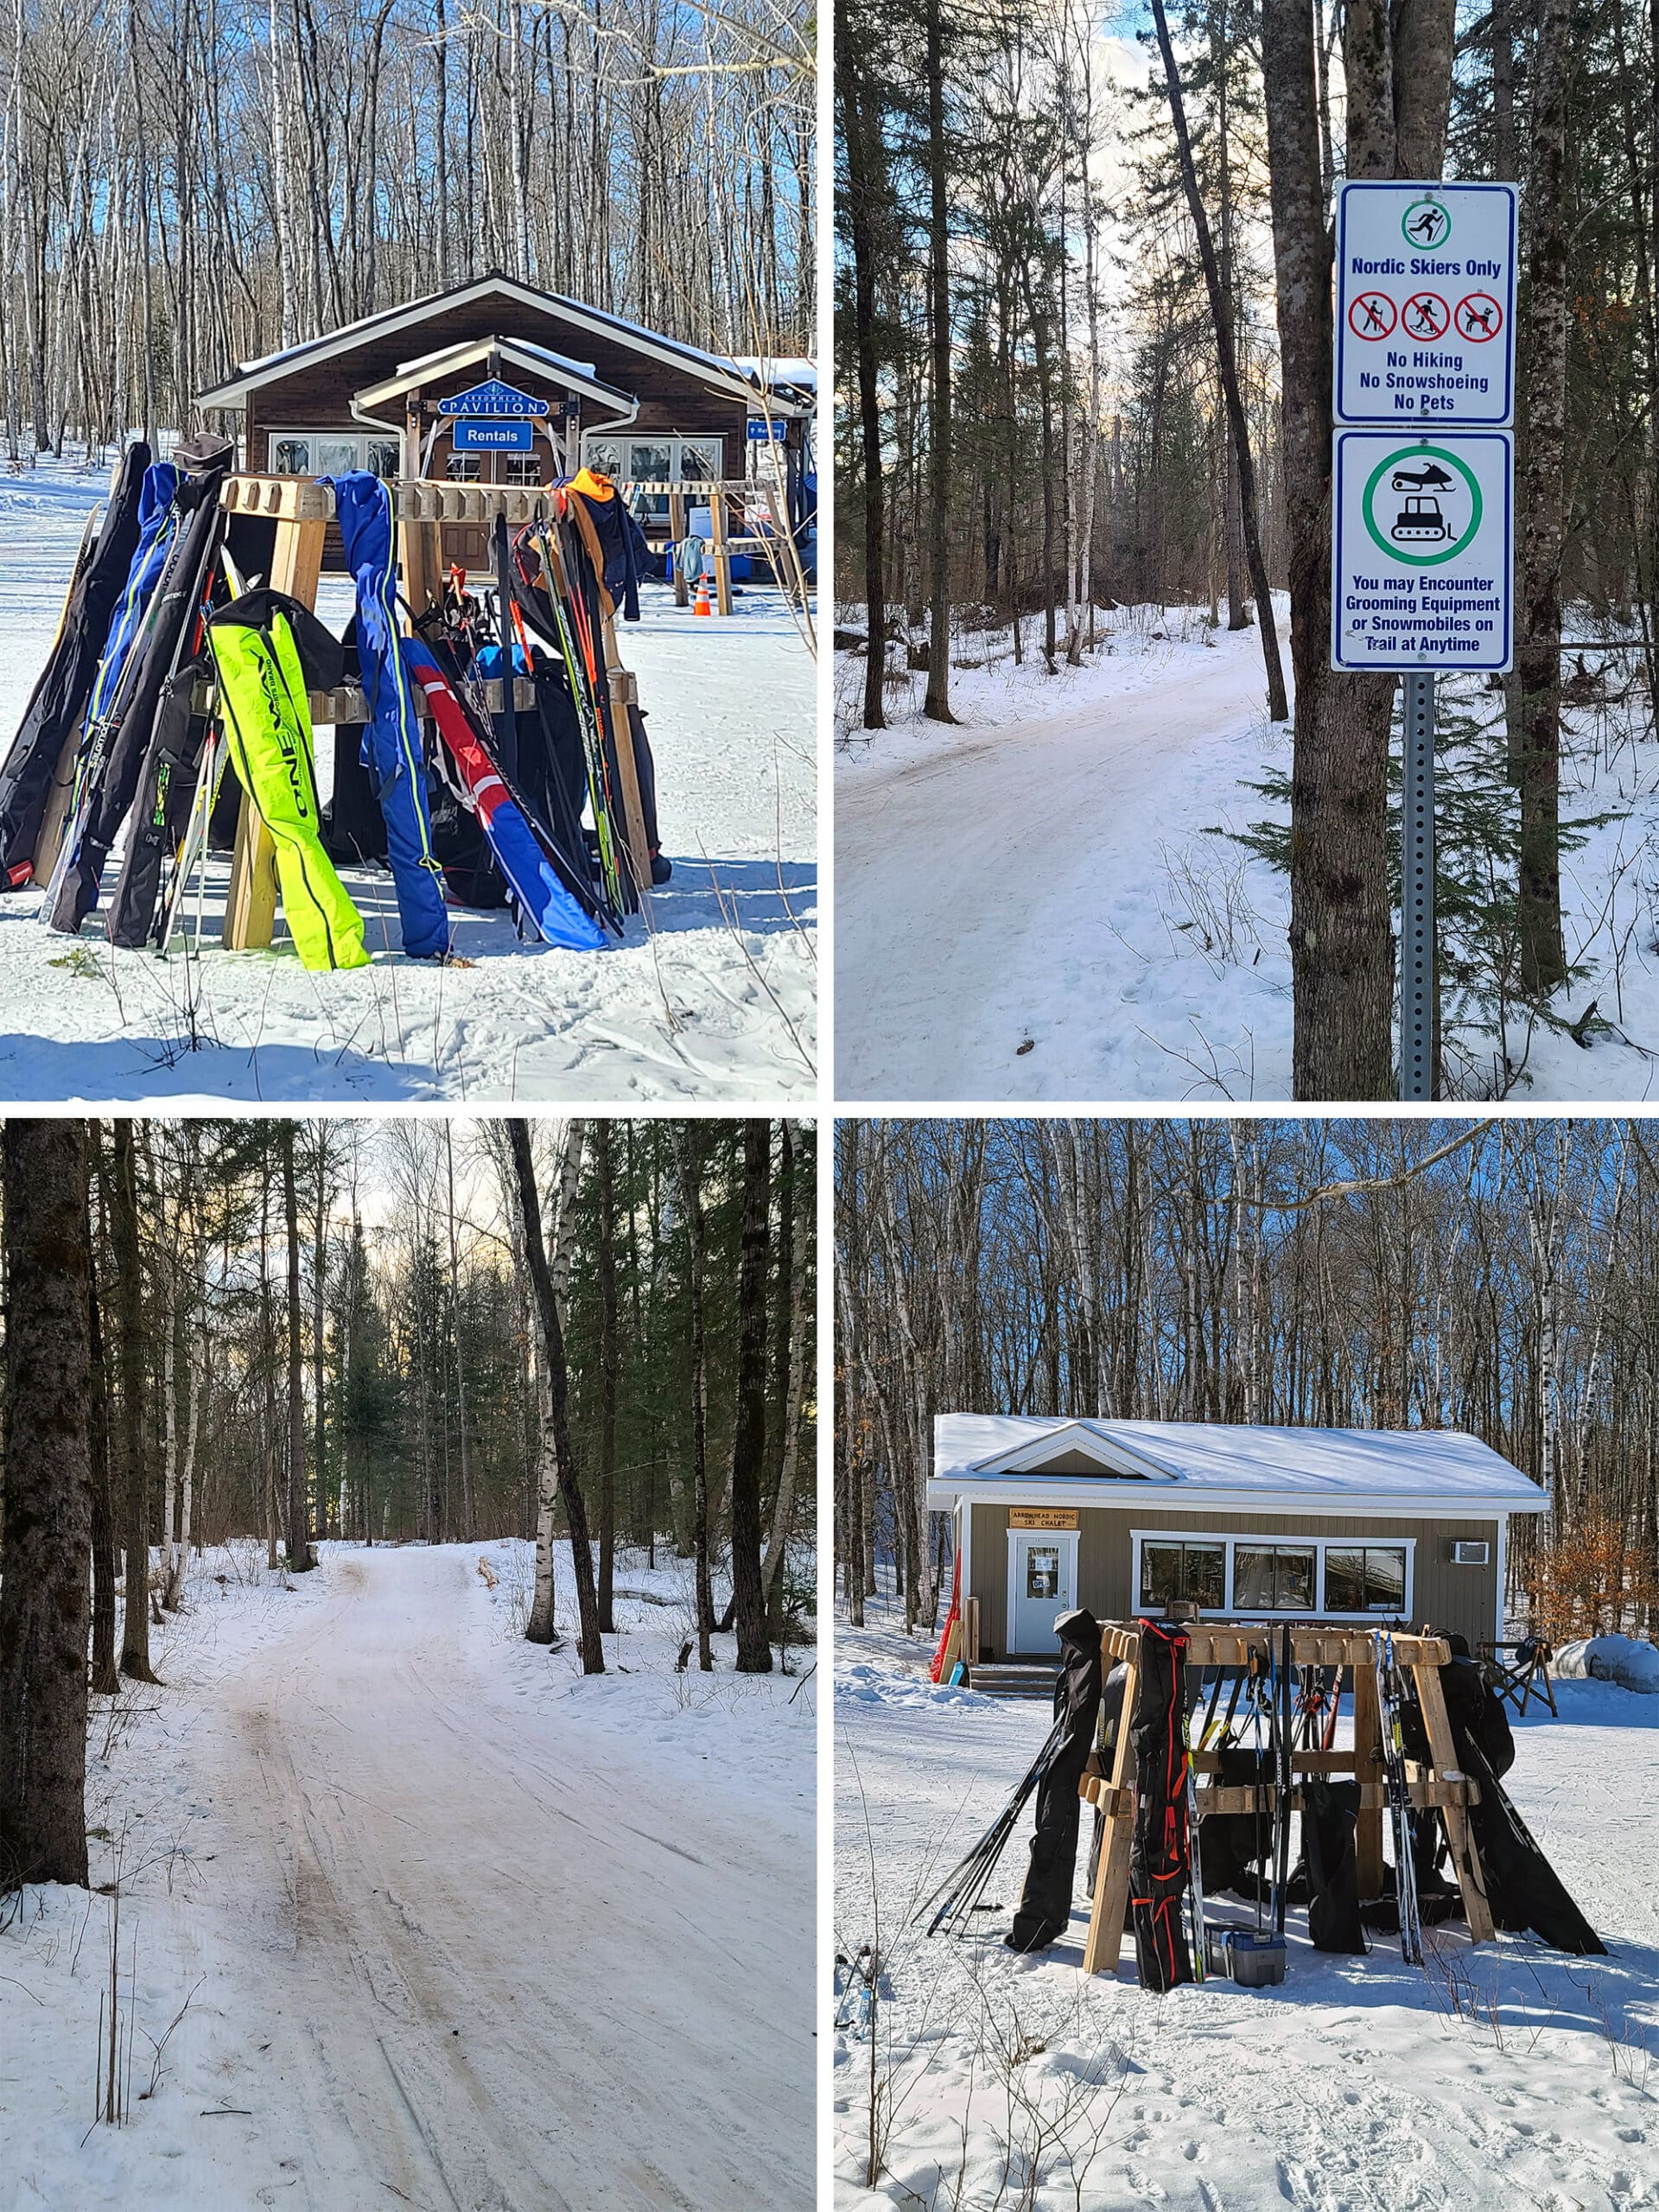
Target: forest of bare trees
{"type": "Point", "coordinates": [1084, 357]}
{"type": "Point", "coordinates": [1499, 1277]}
{"type": "Point", "coordinates": [184, 184]}
{"type": "Point", "coordinates": [595, 1330]}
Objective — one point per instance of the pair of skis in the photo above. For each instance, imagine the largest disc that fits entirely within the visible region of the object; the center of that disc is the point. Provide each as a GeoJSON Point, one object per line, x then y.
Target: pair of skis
{"type": "Point", "coordinates": [582, 652]}
{"type": "Point", "coordinates": [1390, 1703]}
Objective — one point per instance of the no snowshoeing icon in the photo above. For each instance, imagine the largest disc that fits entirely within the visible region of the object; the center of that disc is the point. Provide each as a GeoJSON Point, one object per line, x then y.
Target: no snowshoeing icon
{"type": "Point", "coordinates": [1423, 505]}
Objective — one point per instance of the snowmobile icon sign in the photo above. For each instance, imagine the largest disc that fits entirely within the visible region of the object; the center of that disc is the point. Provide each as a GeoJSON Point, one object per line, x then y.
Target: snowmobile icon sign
{"type": "Point", "coordinates": [1425, 315]}
{"type": "Point", "coordinates": [1422, 551]}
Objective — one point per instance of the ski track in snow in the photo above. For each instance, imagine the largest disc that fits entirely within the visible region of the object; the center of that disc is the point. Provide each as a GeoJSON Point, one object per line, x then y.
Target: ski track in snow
{"type": "Point", "coordinates": [1007, 881]}
{"type": "Point", "coordinates": [471, 1934]}
{"type": "Point", "coordinates": [997, 883]}
{"type": "Point", "coordinates": [730, 705]}
{"type": "Point", "coordinates": [1347, 2089]}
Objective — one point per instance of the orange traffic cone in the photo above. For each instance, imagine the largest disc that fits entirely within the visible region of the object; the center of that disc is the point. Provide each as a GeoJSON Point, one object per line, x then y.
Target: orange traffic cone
{"type": "Point", "coordinates": [702, 606]}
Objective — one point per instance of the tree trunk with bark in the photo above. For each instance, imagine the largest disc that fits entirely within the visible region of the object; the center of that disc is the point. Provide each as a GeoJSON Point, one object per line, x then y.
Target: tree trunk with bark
{"type": "Point", "coordinates": [936, 704]}
{"type": "Point", "coordinates": [749, 1430]}
{"type": "Point", "coordinates": [48, 1497]}
{"type": "Point", "coordinates": [558, 1387]}
{"type": "Point", "coordinates": [300, 1558]}
{"type": "Point", "coordinates": [542, 1626]}
{"type": "Point", "coordinates": [1538, 661]}
{"type": "Point", "coordinates": [605, 1193]}
{"type": "Point", "coordinates": [1221, 316]}
{"type": "Point", "coordinates": [689, 1146]}
{"type": "Point", "coordinates": [1341, 929]}
{"type": "Point", "coordinates": [134, 1368]}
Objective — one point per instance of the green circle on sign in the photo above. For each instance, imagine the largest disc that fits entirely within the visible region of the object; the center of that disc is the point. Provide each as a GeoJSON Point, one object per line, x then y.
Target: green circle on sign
{"type": "Point", "coordinates": [1423, 245]}
{"type": "Point", "coordinates": [1407, 456]}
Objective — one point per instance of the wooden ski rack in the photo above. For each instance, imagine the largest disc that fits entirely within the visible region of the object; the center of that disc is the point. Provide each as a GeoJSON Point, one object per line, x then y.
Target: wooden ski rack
{"type": "Point", "coordinates": [719, 492]}
{"type": "Point", "coordinates": [1439, 1784]}
{"type": "Point", "coordinates": [301, 511]}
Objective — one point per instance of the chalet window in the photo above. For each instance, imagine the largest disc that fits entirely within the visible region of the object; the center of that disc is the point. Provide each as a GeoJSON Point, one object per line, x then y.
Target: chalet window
{"type": "Point", "coordinates": [1273, 1577]}
{"type": "Point", "coordinates": [1368, 1578]}
{"type": "Point", "coordinates": [333, 453]}
{"type": "Point", "coordinates": [1196, 1572]}
{"type": "Point", "coordinates": [465, 468]}
{"type": "Point", "coordinates": [655, 460]}
{"type": "Point", "coordinates": [521, 468]}
{"type": "Point", "coordinates": [1312, 1577]}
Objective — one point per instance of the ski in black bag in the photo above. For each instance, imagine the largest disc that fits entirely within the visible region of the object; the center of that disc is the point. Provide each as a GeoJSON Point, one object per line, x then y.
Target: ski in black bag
{"type": "Point", "coordinates": [1158, 1848]}
{"type": "Point", "coordinates": [58, 702]}
{"type": "Point", "coordinates": [1045, 1910]}
{"type": "Point", "coordinates": [168, 643]}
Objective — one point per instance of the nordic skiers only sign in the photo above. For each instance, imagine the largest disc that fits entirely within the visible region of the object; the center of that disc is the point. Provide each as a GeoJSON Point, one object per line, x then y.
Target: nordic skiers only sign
{"type": "Point", "coordinates": [1425, 303]}
{"type": "Point", "coordinates": [1424, 542]}
{"type": "Point", "coordinates": [1423, 462]}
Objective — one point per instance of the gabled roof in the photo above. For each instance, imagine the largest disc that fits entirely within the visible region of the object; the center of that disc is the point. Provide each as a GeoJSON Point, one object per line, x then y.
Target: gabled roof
{"type": "Point", "coordinates": [1440, 1469]}
{"type": "Point", "coordinates": [514, 352]}
{"type": "Point", "coordinates": [717, 370]}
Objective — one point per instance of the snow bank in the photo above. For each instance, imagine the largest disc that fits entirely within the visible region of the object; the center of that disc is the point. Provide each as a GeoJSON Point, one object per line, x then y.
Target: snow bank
{"type": "Point", "coordinates": [1626, 1660]}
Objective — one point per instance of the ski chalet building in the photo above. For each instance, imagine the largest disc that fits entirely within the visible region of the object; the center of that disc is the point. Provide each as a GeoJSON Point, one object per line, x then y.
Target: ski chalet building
{"type": "Point", "coordinates": [1247, 1523]}
{"type": "Point", "coordinates": [573, 386]}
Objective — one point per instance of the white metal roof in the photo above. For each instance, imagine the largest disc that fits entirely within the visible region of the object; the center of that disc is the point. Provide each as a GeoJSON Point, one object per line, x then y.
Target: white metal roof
{"type": "Point", "coordinates": [514, 352]}
{"type": "Point", "coordinates": [1443, 1469]}
{"type": "Point", "coordinates": [716, 370]}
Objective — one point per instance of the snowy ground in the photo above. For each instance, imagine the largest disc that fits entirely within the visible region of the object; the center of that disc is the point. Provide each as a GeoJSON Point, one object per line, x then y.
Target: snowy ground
{"type": "Point", "coordinates": [1029, 906]}
{"type": "Point", "coordinates": [716, 999]}
{"type": "Point", "coordinates": [457, 1929]}
{"type": "Point", "coordinates": [1355, 2087]}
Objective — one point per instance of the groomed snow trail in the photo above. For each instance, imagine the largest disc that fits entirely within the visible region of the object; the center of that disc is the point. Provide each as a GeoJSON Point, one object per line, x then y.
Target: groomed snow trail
{"type": "Point", "coordinates": [983, 894]}
{"type": "Point", "coordinates": [505, 1965]}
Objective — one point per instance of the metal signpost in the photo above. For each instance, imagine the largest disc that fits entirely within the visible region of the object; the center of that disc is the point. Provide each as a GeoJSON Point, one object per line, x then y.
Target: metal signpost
{"type": "Point", "coordinates": [1422, 491]}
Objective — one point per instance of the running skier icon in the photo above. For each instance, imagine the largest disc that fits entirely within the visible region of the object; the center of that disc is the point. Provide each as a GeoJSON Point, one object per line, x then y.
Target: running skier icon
{"type": "Point", "coordinates": [1478, 317]}
{"type": "Point", "coordinates": [1372, 315]}
{"type": "Point", "coordinates": [1424, 316]}
{"type": "Point", "coordinates": [1426, 224]}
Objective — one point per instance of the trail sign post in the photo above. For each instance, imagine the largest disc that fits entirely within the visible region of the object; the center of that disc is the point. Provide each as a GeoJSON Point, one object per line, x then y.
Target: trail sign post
{"type": "Point", "coordinates": [1422, 537]}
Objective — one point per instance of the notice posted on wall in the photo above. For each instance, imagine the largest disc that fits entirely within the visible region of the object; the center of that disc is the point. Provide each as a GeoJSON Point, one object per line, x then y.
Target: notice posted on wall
{"type": "Point", "coordinates": [1424, 535]}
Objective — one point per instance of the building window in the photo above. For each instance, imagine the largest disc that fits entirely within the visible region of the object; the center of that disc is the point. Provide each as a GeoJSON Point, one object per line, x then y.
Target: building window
{"type": "Point", "coordinates": [334, 452]}
{"type": "Point", "coordinates": [1273, 1577]}
{"type": "Point", "coordinates": [464, 468]}
{"type": "Point", "coordinates": [1182, 1569]}
{"type": "Point", "coordinates": [1042, 1571]}
{"type": "Point", "coordinates": [1368, 1578]}
{"type": "Point", "coordinates": [654, 460]}
{"type": "Point", "coordinates": [523, 468]}
{"type": "Point", "coordinates": [1255, 1576]}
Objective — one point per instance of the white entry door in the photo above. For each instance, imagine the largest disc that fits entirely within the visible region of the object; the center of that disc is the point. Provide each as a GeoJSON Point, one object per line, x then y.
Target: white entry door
{"type": "Point", "coordinates": [1042, 1585]}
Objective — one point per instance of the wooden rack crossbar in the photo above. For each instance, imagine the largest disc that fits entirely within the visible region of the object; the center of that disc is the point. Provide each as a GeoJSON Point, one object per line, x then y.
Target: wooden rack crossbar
{"type": "Point", "coordinates": [335, 709]}
{"type": "Point", "coordinates": [1439, 1785]}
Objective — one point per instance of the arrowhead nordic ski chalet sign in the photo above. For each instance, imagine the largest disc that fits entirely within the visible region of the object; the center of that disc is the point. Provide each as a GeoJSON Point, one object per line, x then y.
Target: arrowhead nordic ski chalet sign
{"type": "Point", "coordinates": [1426, 304]}
{"type": "Point", "coordinates": [1423, 460]}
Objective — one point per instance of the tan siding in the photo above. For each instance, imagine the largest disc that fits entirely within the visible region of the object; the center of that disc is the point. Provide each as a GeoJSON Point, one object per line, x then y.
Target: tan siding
{"type": "Point", "coordinates": [1456, 1600]}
